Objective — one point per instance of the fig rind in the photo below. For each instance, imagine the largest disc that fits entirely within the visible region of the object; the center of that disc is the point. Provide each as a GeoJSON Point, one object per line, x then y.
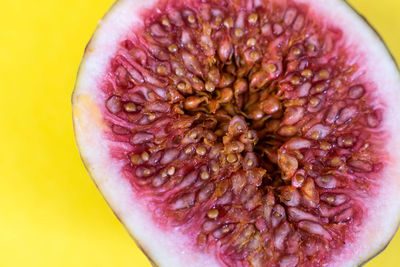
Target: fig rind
{"type": "Point", "coordinates": [170, 247]}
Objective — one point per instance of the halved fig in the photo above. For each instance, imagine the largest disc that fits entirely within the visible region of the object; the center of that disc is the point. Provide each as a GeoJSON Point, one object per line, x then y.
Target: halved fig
{"type": "Point", "coordinates": [243, 133]}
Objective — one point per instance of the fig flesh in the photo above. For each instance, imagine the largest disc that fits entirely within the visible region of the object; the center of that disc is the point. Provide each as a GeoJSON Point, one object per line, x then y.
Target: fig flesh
{"type": "Point", "coordinates": [243, 133]}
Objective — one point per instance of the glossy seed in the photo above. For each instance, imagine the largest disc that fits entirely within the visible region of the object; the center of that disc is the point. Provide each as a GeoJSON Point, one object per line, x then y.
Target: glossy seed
{"type": "Point", "coordinates": [179, 72]}
{"type": "Point", "coordinates": [288, 130]}
{"type": "Point", "coordinates": [226, 80]}
{"type": "Point", "coordinates": [325, 145]}
{"type": "Point", "coordinates": [146, 172]}
{"type": "Point", "coordinates": [165, 22]}
{"type": "Point", "coordinates": [270, 67]}
{"type": "Point", "coordinates": [311, 48]}
{"type": "Point", "coordinates": [319, 88]}
{"type": "Point", "coordinates": [323, 74]}
{"type": "Point", "coordinates": [295, 80]}
{"type": "Point", "coordinates": [330, 199]}
{"type": "Point", "coordinates": [314, 101]}
{"type": "Point", "coordinates": [296, 51]}
{"type": "Point", "coordinates": [293, 114]}
{"type": "Point", "coordinates": [181, 86]}
{"type": "Point", "coordinates": [188, 150]}
{"type": "Point", "coordinates": [215, 168]}
{"type": "Point", "coordinates": [164, 173]}
{"type": "Point", "coordinates": [191, 19]}
{"type": "Point", "coordinates": [298, 180]}
{"type": "Point", "coordinates": [306, 73]}
{"type": "Point", "coordinates": [171, 170]}
{"type": "Point", "coordinates": [136, 159]}
{"type": "Point", "coordinates": [210, 86]}
{"type": "Point", "coordinates": [315, 135]}
{"type": "Point", "coordinates": [201, 150]}
{"type": "Point", "coordinates": [251, 42]}
{"type": "Point", "coordinates": [161, 69]}
{"type": "Point", "coordinates": [145, 156]}
{"type": "Point", "coordinates": [276, 214]}
{"type": "Point", "coordinates": [151, 116]}
{"type": "Point", "coordinates": [214, 75]}
{"type": "Point", "coordinates": [250, 163]}
{"type": "Point", "coordinates": [231, 158]}
{"type": "Point", "coordinates": [254, 55]}
{"type": "Point", "coordinates": [240, 86]}
{"type": "Point", "coordinates": [193, 135]}
{"type": "Point", "coordinates": [228, 22]}
{"type": "Point", "coordinates": [253, 17]}
{"type": "Point", "coordinates": [130, 107]}
{"type": "Point", "coordinates": [225, 49]}
{"type": "Point", "coordinates": [225, 95]}
{"type": "Point", "coordinates": [193, 102]}
{"type": "Point", "coordinates": [336, 162]}
{"type": "Point", "coordinates": [204, 175]}
{"type": "Point", "coordinates": [270, 105]}
{"type": "Point", "coordinates": [288, 164]}
{"type": "Point", "coordinates": [348, 141]}
{"type": "Point", "coordinates": [239, 32]}
{"type": "Point", "coordinates": [212, 214]}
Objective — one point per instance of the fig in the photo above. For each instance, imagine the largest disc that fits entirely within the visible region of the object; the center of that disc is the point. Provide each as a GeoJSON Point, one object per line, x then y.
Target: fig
{"type": "Point", "coordinates": [243, 133]}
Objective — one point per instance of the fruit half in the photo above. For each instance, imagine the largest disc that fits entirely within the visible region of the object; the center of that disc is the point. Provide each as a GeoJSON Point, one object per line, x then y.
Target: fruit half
{"type": "Point", "coordinates": [243, 133]}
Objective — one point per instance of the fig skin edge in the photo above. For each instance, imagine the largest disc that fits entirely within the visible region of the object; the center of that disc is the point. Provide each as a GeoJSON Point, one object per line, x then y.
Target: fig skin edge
{"type": "Point", "coordinates": [88, 124]}
{"type": "Point", "coordinates": [365, 20]}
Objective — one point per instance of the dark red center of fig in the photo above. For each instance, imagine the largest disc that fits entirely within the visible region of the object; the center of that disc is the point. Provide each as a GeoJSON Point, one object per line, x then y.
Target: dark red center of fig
{"type": "Point", "coordinates": [247, 126]}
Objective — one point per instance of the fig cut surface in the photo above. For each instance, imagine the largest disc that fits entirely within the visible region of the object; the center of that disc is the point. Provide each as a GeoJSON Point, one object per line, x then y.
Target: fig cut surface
{"type": "Point", "coordinates": [243, 133]}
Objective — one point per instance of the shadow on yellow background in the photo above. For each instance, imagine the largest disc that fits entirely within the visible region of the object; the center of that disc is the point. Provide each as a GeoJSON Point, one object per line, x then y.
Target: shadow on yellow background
{"type": "Point", "coordinates": [51, 212]}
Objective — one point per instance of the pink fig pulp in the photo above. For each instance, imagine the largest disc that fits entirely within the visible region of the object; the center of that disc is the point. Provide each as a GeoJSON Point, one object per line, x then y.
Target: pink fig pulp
{"type": "Point", "coordinates": [243, 133]}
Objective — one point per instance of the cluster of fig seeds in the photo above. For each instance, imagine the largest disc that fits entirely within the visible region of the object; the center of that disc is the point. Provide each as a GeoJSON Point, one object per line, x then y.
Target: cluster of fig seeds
{"type": "Point", "coordinates": [246, 126]}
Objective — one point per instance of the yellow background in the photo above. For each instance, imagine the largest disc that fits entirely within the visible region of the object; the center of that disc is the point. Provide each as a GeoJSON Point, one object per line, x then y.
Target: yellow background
{"type": "Point", "coordinates": [50, 211]}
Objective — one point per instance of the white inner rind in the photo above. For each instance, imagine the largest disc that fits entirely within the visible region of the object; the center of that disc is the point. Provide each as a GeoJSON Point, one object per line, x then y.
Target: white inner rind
{"type": "Point", "coordinates": [171, 247]}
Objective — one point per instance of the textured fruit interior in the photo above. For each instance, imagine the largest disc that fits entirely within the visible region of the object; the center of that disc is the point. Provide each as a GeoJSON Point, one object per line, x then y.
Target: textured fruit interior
{"type": "Point", "coordinates": [252, 129]}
